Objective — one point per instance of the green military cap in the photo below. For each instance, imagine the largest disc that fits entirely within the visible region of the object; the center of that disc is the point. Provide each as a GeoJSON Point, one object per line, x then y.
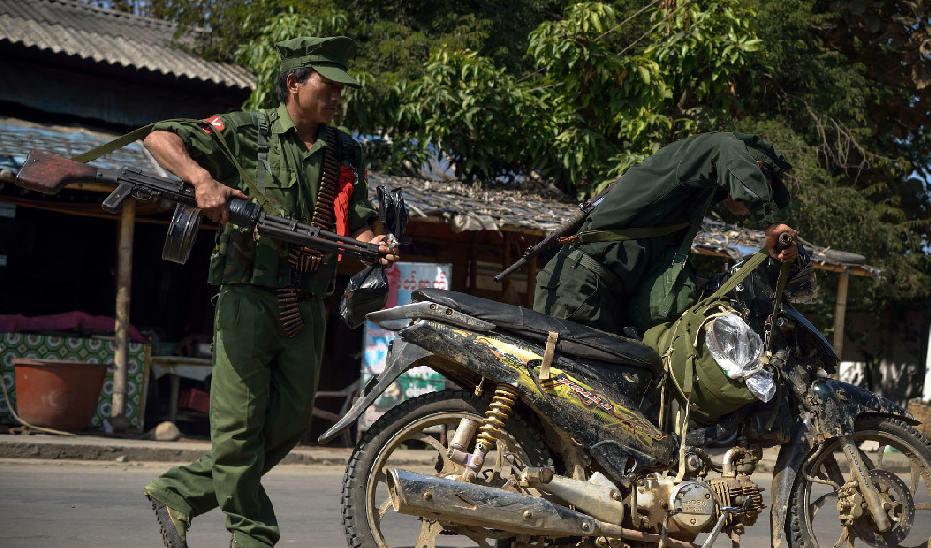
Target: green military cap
{"type": "Point", "coordinates": [328, 56]}
{"type": "Point", "coordinates": [764, 151]}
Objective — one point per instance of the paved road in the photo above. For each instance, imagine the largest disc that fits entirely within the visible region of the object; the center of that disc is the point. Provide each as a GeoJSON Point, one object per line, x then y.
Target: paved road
{"type": "Point", "coordinates": [47, 504]}
{"type": "Point", "coordinates": [64, 504]}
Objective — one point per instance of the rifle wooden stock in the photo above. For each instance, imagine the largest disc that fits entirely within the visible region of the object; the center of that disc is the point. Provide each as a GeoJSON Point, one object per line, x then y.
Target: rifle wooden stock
{"type": "Point", "coordinates": [48, 174]}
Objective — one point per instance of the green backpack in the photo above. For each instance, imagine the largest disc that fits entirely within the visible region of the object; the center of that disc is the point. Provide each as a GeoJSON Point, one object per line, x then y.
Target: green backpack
{"type": "Point", "coordinates": [695, 376]}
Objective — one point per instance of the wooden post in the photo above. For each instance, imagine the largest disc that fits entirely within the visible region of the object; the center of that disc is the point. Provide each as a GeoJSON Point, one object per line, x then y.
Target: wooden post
{"type": "Point", "coordinates": [840, 310]}
{"type": "Point", "coordinates": [926, 393]}
{"type": "Point", "coordinates": [473, 262]}
{"type": "Point", "coordinates": [123, 290]}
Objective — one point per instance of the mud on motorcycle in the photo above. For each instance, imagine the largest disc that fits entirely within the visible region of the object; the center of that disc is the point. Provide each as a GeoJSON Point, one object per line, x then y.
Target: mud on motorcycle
{"type": "Point", "coordinates": [550, 441]}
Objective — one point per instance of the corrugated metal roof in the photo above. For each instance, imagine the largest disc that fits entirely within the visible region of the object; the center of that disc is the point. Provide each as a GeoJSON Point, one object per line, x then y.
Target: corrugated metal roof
{"type": "Point", "coordinates": [109, 37]}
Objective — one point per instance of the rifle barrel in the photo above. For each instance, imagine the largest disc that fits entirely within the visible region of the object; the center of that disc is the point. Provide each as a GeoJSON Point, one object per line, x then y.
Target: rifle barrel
{"type": "Point", "coordinates": [570, 226]}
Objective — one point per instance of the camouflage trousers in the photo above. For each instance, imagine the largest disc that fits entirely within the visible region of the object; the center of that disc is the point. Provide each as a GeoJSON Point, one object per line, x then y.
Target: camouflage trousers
{"type": "Point", "coordinates": [261, 400]}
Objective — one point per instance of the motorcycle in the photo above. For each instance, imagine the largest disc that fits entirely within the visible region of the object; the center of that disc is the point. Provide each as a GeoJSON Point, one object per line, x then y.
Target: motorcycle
{"type": "Point", "coordinates": [554, 437]}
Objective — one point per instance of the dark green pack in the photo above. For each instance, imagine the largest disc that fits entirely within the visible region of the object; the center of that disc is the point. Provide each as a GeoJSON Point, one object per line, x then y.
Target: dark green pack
{"type": "Point", "coordinates": [692, 374]}
{"type": "Point", "coordinates": [669, 287]}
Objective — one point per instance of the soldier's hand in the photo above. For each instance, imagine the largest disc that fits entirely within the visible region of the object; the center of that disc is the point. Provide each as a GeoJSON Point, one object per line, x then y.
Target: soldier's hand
{"type": "Point", "coordinates": [169, 151]}
{"type": "Point", "coordinates": [212, 197]}
{"type": "Point", "coordinates": [772, 234]}
{"type": "Point", "coordinates": [390, 252]}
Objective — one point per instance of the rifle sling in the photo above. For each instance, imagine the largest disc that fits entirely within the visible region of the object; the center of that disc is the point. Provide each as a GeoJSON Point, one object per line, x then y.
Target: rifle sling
{"type": "Point", "coordinates": [268, 205]}
{"type": "Point", "coordinates": [119, 142]}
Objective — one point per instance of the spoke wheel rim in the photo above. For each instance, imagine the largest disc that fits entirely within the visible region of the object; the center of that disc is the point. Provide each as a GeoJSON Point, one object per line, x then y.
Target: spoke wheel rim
{"type": "Point", "coordinates": [862, 532]}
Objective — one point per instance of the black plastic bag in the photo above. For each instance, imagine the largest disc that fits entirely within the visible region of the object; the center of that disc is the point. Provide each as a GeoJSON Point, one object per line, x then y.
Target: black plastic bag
{"type": "Point", "coordinates": [392, 211]}
{"type": "Point", "coordinates": [367, 292]}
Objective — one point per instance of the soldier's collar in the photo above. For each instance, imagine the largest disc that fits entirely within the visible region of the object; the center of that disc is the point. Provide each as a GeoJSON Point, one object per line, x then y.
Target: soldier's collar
{"type": "Point", "coordinates": [282, 122]}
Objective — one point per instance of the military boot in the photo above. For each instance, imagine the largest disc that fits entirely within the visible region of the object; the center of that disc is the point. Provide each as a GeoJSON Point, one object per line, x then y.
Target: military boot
{"type": "Point", "coordinates": [172, 524]}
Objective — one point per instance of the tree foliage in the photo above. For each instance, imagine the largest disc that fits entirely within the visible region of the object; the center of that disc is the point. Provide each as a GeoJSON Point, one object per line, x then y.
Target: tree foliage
{"type": "Point", "coordinates": [576, 93]}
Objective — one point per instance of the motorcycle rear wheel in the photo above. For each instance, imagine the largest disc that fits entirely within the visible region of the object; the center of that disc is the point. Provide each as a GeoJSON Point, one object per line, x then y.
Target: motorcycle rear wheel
{"type": "Point", "coordinates": [425, 423]}
{"type": "Point", "coordinates": [898, 460]}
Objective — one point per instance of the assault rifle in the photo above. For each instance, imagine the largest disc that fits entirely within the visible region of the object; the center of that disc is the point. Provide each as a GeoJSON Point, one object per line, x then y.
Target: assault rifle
{"type": "Point", "coordinates": [48, 174]}
{"type": "Point", "coordinates": [568, 228]}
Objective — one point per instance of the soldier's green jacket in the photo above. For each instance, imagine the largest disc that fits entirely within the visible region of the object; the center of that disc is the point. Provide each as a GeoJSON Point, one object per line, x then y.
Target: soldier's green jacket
{"type": "Point", "coordinates": [668, 188]}
{"type": "Point", "coordinates": [291, 183]}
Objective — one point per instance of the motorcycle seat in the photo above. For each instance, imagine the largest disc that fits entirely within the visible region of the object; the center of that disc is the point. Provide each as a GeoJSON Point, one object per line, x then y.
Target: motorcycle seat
{"type": "Point", "coordinates": [574, 339]}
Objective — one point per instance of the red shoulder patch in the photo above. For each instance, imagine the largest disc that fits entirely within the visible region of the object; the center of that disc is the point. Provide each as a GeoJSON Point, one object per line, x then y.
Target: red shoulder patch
{"type": "Point", "coordinates": [214, 122]}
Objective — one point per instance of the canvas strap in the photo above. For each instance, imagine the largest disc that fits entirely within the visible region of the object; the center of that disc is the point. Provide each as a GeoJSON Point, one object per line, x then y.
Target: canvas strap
{"type": "Point", "coordinates": [777, 305]}
{"type": "Point", "coordinates": [262, 130]}
{"type": "Point", "coordinates": [621, 234]}
{"type": "Point", "coordinates": [548, 356]}
{"type": "Point", "coordinates": [683, 252]}
{"type": "Point", "coordinates": [121, 141]}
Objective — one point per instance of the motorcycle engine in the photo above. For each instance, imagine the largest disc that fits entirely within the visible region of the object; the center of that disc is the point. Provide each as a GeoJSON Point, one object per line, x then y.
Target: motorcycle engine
{"type": "Point", "coordinates": [695, 506]}
{"type": "Point", "coordinates": [692, 504]}
{"type": "Point", "coordinates": [735, 492]}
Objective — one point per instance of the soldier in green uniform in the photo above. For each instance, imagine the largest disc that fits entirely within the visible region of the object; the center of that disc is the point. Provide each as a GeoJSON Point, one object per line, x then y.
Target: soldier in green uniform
{"type": "Point", "coordinates": [270, 317]}
{"type": "Point", "coordinates": [628, 265]}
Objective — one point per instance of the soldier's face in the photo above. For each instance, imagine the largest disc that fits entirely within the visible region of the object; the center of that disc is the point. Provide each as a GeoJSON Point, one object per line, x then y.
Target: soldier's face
{"type": "Point", "coordinates": [317, 98]}
{"type": "Point", "coordinates": [736, 207]}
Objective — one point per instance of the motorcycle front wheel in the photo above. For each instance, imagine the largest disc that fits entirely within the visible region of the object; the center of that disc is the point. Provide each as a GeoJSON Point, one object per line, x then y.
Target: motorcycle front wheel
{"type": "Point", "coordinates": [827, 508]}
{"type": "Point", "coordinates": [417, 431]}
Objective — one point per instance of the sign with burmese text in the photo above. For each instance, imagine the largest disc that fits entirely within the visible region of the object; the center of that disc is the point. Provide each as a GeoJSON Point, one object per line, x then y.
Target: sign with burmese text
{"type": "Point", "coordinates": [403, 279]}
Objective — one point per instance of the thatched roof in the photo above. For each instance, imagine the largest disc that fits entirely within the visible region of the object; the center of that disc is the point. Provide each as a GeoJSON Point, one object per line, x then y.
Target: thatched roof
{"type": "Point", "coordinates": [540, 209]}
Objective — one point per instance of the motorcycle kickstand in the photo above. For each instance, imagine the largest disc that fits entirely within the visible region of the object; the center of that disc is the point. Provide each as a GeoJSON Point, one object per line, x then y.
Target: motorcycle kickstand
{"type": "Point", "coordinates": [665, 534]}
{"type": "Point", "coordinates": [870, 495]}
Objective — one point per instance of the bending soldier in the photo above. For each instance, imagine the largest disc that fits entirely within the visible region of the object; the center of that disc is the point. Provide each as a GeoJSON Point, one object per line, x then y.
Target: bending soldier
{"type": "Point", "coordinates": [629, 264]}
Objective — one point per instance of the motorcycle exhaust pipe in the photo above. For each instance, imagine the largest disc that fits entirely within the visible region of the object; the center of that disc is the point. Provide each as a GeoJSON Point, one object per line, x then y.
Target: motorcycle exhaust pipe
{"type": "Point", "coordinates": [442, 499]}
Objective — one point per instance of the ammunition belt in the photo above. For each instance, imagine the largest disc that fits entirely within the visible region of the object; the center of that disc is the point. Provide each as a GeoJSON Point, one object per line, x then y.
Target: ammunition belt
{"type": "Point", "coordinates": [304, 260]}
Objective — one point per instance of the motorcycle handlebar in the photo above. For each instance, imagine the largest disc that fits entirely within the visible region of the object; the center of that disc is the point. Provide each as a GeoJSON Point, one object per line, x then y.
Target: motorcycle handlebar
{"type": "Point", "coordinates": [784, 241]}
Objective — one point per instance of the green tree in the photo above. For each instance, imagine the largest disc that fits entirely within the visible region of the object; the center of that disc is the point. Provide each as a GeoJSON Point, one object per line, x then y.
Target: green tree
{"type": "Point", "coordinates": [261, 57]}
{"type": "Point", "coordinates": [846, 84]}
{"type": "Point", "coordinates": [578, 92]}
